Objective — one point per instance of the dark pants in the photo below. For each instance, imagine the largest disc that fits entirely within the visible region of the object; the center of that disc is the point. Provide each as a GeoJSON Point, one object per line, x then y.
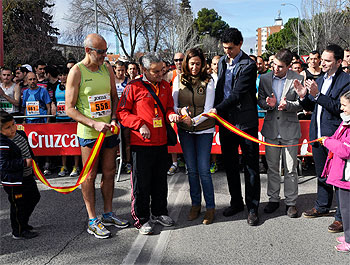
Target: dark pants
{"type": "Point", "coordinates": [149, 182]}
{"type": "Point", "coordinates": [23, 200]}
{"type": "Point", "coordinates": [344, 204]}
{"type": "Point", "coordinates": [250, 154]}
{"type": "Point", "coordinates": [324, 191]}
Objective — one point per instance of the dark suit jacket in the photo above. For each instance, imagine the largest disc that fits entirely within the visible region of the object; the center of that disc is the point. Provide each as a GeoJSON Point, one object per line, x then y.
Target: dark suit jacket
{"type": "Point", "coordinates": [240, 108]}
{"type": "Point", "coordinates": [330, 116]}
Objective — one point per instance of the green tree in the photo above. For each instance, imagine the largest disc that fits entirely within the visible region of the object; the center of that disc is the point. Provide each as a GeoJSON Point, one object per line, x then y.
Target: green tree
{"type": "Point", "coordinates": [209, 22]}
{"type": "Point", "coordinates": [28, 32]}
{"type": "Point", "coordinates": [285, 38]}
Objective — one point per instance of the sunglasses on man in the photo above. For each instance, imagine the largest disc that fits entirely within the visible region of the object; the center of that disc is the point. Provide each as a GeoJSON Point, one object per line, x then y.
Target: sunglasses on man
{"type": "Point", "coordinates": [178, 60]}
{"type": "Point", "coordinates": [99, 51]}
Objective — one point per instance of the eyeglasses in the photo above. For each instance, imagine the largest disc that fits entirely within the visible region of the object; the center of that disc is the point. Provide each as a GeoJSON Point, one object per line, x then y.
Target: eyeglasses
{"type": "Point", "coordinates": [178, 60]}
{"type": "Point", "coordinates": [346, 67]}
{"type": "Point", "coordinates": [98, 50]}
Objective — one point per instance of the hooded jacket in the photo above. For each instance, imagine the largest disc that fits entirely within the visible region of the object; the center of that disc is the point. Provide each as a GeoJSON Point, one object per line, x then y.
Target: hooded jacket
{"type": "Point", "coordinates": [337, 166]}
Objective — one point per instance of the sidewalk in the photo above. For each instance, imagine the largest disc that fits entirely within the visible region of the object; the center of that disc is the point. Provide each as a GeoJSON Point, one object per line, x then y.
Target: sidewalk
{"type": "Point", "coordinates": [61, 221]}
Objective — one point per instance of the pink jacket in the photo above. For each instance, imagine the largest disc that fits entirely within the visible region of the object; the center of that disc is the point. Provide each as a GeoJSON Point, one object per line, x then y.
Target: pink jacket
{"type": "Point", "coordinates": [337, 166]}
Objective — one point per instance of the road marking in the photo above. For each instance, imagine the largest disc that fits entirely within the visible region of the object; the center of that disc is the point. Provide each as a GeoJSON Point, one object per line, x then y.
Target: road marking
{"type": "Point", "coordinates": [163, 237]}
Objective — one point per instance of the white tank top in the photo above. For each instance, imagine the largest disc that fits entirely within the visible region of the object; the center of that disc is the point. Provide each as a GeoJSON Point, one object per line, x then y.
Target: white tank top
{"type": "Point", "coordinates": [4, 103]}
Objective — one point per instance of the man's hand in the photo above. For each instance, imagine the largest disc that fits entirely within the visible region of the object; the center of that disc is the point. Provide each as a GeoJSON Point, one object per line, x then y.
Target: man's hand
{"type": "Point", "coordinates": [174, 118]}
{"type": "Point", "coordinates": [312, 86]}
{"type": "Point", "coordinates": [213, 111]}
{"type": "Point", "coordinates": [271, 101]}
{"type": "Point", "coordinates": [283, 104]}
{"type": "Point", "coordinates": [145, 132]}
{"type": "Point", "coordinates": [300, 89]}
{"type": "Point", "coordinates": [101, 126]}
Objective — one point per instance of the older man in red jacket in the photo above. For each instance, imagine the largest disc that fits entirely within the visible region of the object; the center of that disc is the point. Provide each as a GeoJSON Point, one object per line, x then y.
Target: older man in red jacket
{"type": "Point", "coordinates": [139, 111]}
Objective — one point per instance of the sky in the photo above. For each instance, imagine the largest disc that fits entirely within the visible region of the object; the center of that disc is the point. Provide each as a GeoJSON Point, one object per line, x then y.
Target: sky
{"type": "Point", "coordinates": [246, 15]}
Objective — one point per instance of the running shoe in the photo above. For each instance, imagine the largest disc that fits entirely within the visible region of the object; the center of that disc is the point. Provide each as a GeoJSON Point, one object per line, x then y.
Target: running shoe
{"type": "Point", "coordinates": [114, 220]}
{"type": "Point", "coordinates": [75, 172]}
{"type": "Point", "coordinates": [164, 220]}
{"type": "Point", "coordinates": [98, 229]}
{"type": "Point", "coordinates": [213, 168]}
{"type": "Point", "coordinates": [172, 170]}
{"type": "Point", "coordinates": [63, 171]}
{"type": "Point", "coordinates": [128, 168]}
{"type": "Point", "coordinates": [146, 229]}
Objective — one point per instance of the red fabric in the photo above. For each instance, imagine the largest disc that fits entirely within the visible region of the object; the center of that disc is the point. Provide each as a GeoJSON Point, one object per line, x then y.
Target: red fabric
{"type": "Point", "coordinates": [136, 108]}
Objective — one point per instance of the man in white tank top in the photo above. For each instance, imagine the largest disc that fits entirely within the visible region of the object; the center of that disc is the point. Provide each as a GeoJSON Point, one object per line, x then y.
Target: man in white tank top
{"type": "Point", "coordinates": [9, 92]}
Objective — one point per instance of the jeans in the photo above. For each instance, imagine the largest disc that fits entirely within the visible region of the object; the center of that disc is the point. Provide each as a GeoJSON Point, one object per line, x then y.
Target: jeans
{"type": "Point", "coordinates": [196, 150]}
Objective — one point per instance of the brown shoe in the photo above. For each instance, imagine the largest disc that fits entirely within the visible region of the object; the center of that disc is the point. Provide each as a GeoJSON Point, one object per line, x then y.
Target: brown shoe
{"type": "Point", "coordinates": [292, 211]}
{"type": "Point", "coordinates": [335, 227]}
{"type": "Point", "coordinates": [194, 213]}
{"type": "Point", "coordinates": [313, 213]}
{"type": "Point", "coordinates": [209, 216]}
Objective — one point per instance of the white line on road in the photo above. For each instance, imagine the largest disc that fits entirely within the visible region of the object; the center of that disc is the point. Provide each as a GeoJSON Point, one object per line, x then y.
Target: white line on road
{"type": "Point", "coordinates": [163, 237]}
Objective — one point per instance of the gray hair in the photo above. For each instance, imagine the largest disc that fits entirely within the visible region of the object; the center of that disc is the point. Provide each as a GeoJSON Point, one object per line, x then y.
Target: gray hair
{"type": "Point", "coordinates": [88, 42]}
{"type": "Point", "coordinates": [150, 58]}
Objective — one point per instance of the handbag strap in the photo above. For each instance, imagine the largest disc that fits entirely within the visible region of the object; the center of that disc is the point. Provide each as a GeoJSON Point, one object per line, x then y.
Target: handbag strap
{"type": "Point", "coordinates": [156, 98]}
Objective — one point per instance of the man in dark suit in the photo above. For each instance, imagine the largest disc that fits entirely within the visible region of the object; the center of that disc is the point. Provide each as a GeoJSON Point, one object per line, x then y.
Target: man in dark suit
{"type": "Point", "coordinates": [281, 126]}
{"type": "Point", "coordinates": [235, 101]}
{"type": "Point", "coordinates": [323, 98]}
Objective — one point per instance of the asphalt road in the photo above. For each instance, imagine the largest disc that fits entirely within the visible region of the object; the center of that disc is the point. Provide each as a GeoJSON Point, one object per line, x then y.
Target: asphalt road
{"type": "Point", "coordinates": [61, 221]}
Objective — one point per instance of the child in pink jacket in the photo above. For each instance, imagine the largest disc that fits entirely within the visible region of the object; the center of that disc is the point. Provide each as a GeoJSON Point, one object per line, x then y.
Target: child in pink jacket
{"type": "Point", "coordinates": [337, 168]}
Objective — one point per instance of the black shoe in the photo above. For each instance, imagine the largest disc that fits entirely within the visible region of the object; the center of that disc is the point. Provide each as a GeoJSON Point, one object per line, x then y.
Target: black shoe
{"type": "Point", "coordinates": [25, 235]}
{"type": "Point", "coordinates": [271, 207]}
{"type": "Point", "coordinates": [252, 219]}
{"type": "Point", "coordinates": [292, 211]}
{"type": "Point", "coordinates": [229, 211]}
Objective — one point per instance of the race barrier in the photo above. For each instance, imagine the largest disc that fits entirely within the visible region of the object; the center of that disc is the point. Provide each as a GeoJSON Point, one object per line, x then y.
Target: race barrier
{"type": "Point", "coordinates": [56, 139]}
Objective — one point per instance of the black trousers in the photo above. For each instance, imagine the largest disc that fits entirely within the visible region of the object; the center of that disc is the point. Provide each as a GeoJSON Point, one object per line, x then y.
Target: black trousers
{"type": "Point", "coordinates": [250, 154]}
{"type": "Point", "coordinates": [149, 182]}
{"type": "Point", "coordinates": [23, 200]}
{"type": "Point", "coordinates": [324, 191]}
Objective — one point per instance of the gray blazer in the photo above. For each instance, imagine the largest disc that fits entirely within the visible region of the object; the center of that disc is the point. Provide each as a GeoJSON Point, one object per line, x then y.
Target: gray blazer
{"type": "Point", "coordinates": [284, 123]}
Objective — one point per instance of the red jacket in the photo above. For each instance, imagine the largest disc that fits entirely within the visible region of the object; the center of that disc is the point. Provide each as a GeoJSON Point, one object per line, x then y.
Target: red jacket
{"type": "Point", "coordinates": [136, 108]}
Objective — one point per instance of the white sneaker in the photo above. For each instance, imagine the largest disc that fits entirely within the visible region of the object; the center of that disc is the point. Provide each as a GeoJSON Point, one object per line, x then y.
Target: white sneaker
{"type": "Point", "coordinates": [98, 230]}
{"type": "Point", "coordinates": [172, 170]}
{"type": "Point", "coordinates": [146, 229]}
{"type": "Point", "coordinates": [164, 220]}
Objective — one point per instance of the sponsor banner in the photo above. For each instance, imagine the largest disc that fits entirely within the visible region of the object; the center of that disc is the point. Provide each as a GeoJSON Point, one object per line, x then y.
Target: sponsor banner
{"type": "Point", "coordinates": [54, 139]}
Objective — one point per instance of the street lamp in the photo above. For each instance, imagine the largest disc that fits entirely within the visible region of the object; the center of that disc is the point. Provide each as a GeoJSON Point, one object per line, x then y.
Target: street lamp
{"type": "Point", "coordinates": [284, 4]}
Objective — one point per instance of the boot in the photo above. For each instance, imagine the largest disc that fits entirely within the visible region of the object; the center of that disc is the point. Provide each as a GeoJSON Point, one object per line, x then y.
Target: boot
{"type": "Point", "coordinates": [194, 213]}
{"type": "Point", "coordinates": [209, 216]}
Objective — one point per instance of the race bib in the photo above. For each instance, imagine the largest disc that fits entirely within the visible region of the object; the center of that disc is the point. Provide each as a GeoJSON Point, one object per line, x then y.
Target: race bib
{"type": "Point", "coordinates": [100, 105]}
{"type": "Point", "coordinates": [61, 108]}
{"type": "Point", "coordinates": [157, 122]}
{"type": "Point", "coordinates": [32, 108]}
{"type": "Point", "coordinates": [6, 106]}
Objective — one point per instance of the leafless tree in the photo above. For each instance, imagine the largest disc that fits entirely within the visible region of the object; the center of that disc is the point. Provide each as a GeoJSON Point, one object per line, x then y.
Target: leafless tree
{"type": "Point", "coordinates": [325, 21]}
{"type": "Point", "coordinates": [124, 17]}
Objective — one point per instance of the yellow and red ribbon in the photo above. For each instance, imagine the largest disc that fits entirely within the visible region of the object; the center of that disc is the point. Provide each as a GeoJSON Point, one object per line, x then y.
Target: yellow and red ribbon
{"type": "Point", "coordinates": [86, 169]}
{"type": "Point", "coordinates": [241, 133]}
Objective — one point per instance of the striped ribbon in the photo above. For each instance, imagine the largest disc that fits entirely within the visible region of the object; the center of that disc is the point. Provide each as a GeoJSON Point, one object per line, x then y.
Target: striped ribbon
{"type": "Point", "coordinates": [243, 134]}
{"type": "Point", "coordinates": [86, 169]}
